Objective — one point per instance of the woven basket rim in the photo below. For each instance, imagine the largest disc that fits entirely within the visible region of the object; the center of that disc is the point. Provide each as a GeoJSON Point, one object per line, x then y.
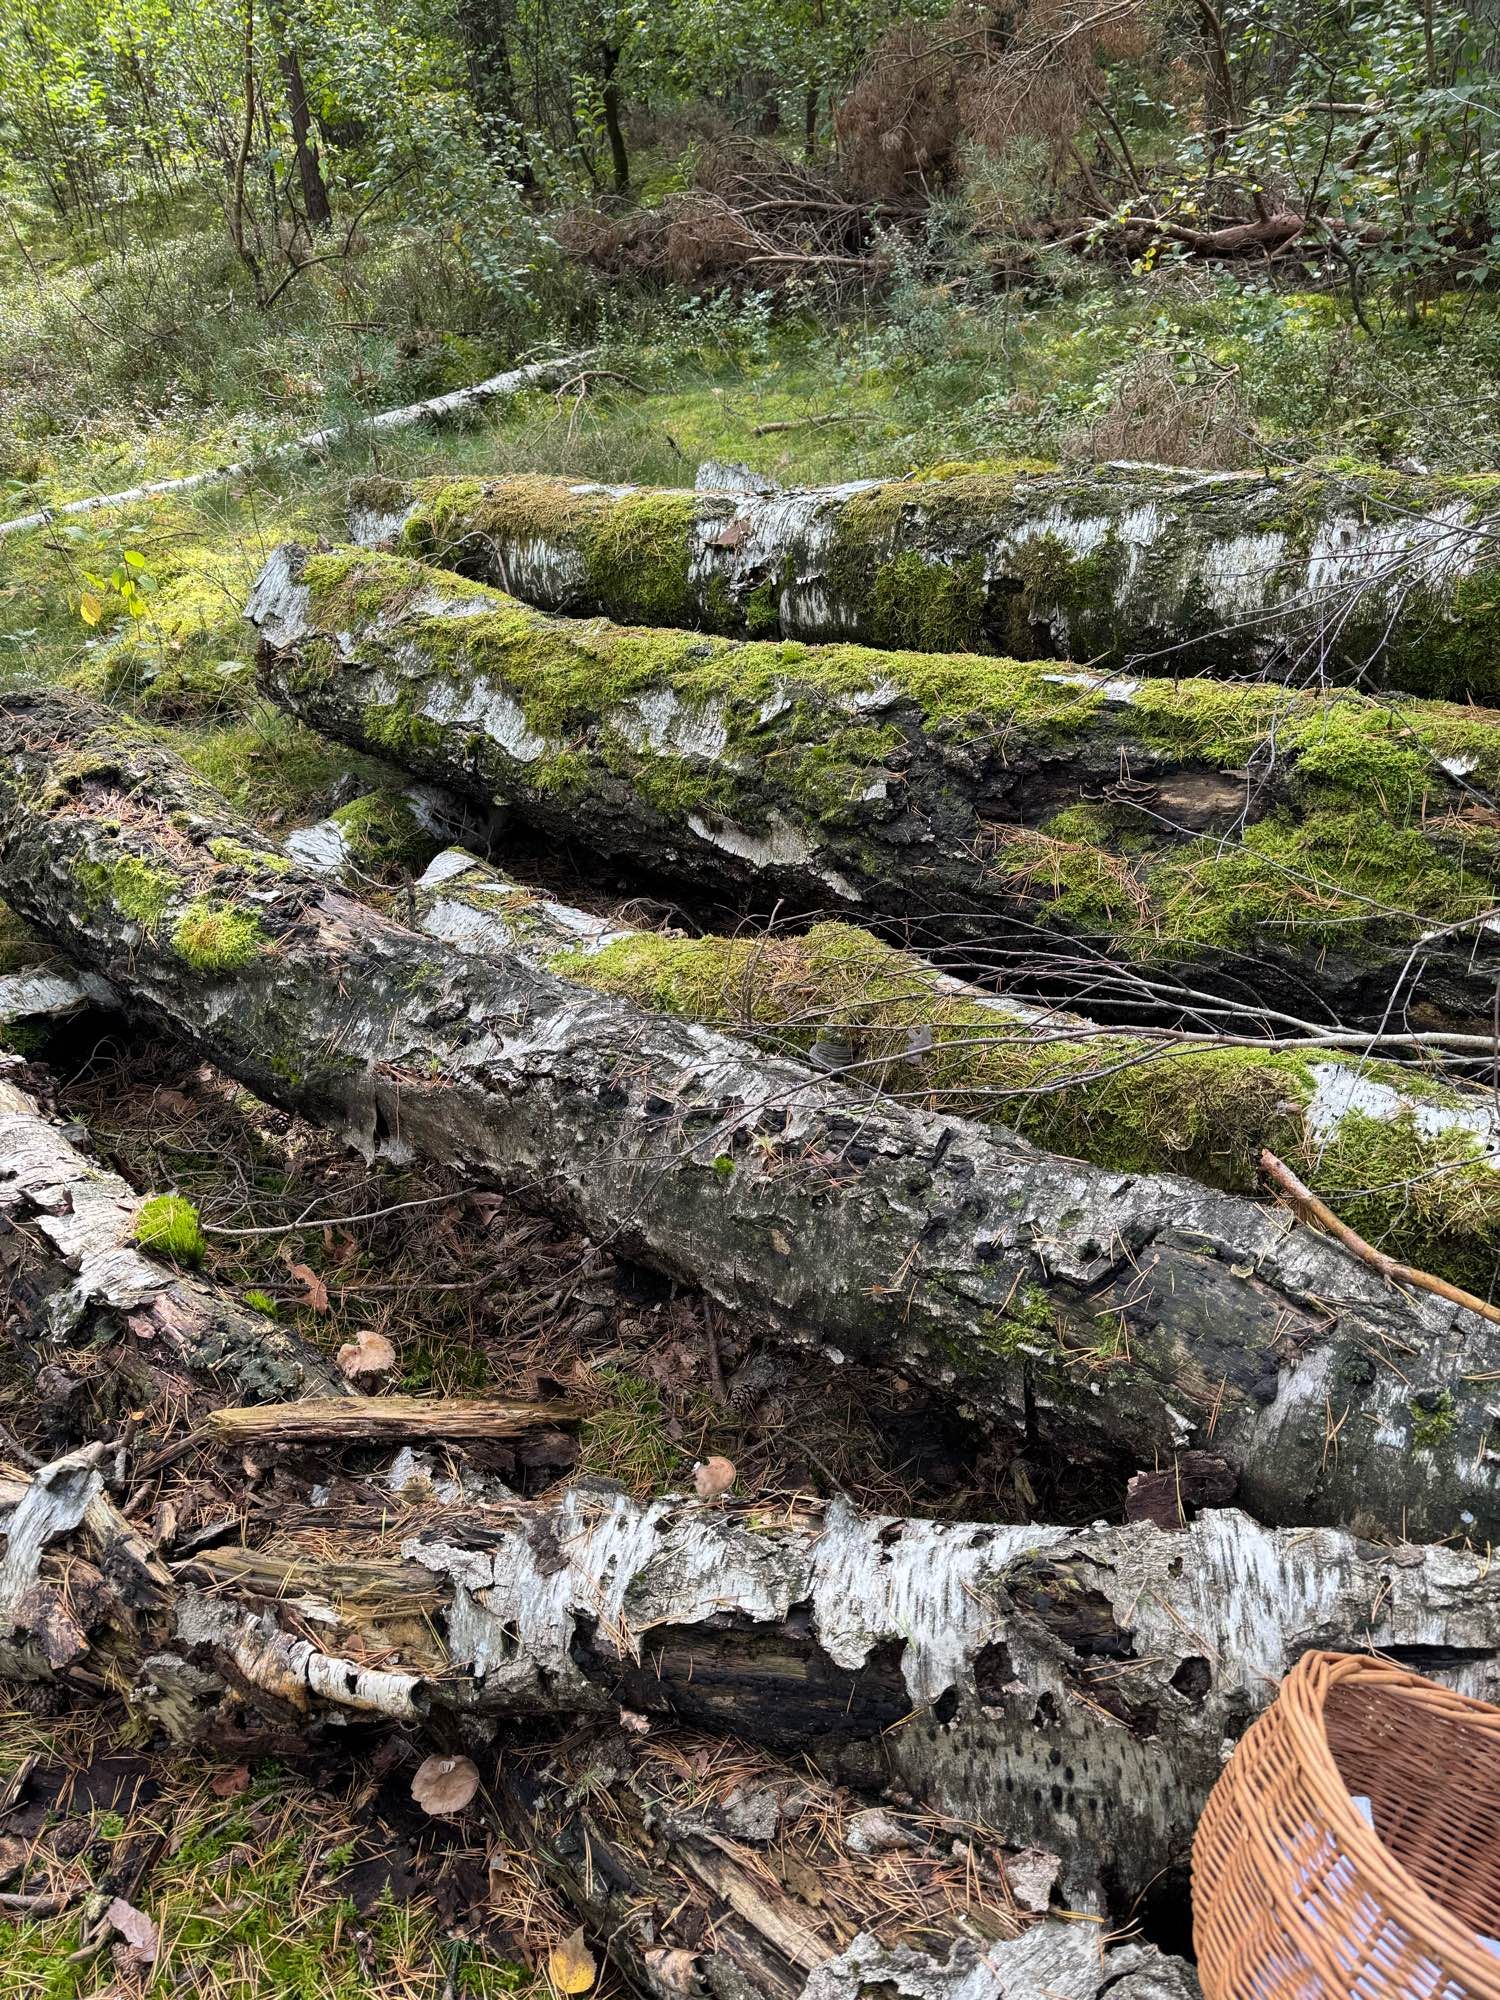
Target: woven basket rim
{"type": "Point", "coordinates": [1400, 1892]}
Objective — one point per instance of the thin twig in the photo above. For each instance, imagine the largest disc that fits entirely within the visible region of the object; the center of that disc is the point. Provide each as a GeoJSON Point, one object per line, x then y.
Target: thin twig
{"type": "Point", "coordinates": [1312, 1209]}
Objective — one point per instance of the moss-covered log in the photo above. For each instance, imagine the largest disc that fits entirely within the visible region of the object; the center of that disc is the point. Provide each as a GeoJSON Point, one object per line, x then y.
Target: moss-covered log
{"type": "Point", "coordinates": [1333, 855]}
{"type": "Point", "coordinates": [1388, 579]}
{"type": "Point", "coordinates": [79, 1276]}
{"type": "Point", "coordinates": [1125, 1313]}
{"type": "Point", "coordinates": [1071, 1689]}
{"type": "Point", "coordinates": [1408, 1159]}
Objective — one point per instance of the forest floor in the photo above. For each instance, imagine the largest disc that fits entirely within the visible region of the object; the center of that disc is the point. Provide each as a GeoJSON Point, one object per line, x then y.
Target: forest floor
{"type": "Point", "coordinates": [266, 1878]}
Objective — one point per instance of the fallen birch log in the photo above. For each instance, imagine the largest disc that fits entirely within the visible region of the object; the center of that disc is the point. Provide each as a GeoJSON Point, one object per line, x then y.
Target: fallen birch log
{"type": "Point", "coordinates": [1422, 1155]}
{"type": "Point", "coordinates": [76, 1278]}
{"type": "Point", "coordinates": [1127, 1315]}
{"type": "Point", "coordinates": [1071, 1689]}
{"type": "Point", "coordinates": [1383, 578]}
{"type": "Point", "coordinates": [457, 402]}
{"type": "Point", "coordinates": [1319, 854]}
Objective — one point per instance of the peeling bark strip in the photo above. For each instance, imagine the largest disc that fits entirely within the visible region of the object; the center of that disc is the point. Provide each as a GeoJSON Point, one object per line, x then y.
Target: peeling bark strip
{"type": "Point", "coordinates": [884, 1020]}
{"type": "Point", "coordinates": [1136, 566]}
{"type": "Point", "coordinates": [1307, 851]}
{"type": "Point", "coordinates": [1127, 1314]}
{"type": "Point", "coordinates": [92, 1286]}
{"type": "Point", "coordinates": [536, 375]}
{"type": "Point", "coordinates": [1072, 1689]}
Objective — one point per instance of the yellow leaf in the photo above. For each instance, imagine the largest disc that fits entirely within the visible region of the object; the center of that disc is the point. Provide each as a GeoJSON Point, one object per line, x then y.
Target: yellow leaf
{"type": "Point", "coordinates": [570, 1965]}
{"type": "Point", "coordinates": [90, 610]}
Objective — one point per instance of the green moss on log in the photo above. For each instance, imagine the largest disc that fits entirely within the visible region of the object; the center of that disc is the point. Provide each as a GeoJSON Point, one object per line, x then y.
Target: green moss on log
{"type": "Point", "coordinates": [1363, 841]}
{"type": "Point", "coordinates": [168, 1224]}
{"type": "Point", "coordinates": [1431, 1199]}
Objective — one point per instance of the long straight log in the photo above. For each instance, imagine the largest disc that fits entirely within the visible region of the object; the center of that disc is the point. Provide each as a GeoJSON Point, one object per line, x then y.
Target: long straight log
{"type": "Point", "coordinates": [1328, 855]}
{"type": "Point", "coordinates": [75, 1278]}
{"type": "Point", "coordinates": [1073, 1689]}
{"type": "Point", "coordinates": [434, 409]}
{"type": "Point", "coordinates": [1122, 1314]}
{"type": "Point", "coordinates": [1422, 1157]}
{"type": "Point", "coordinates": [1381, 578]}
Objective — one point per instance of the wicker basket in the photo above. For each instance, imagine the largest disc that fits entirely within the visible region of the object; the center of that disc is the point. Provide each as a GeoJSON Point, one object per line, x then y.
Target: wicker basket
{"type": "Point", "coordinates": [1295, 1897]}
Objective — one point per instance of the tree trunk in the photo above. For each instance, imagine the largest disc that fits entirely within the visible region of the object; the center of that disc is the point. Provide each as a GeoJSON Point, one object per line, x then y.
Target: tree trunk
{"type": "Point", "coordinates": [884, 1020]}
{"type": "Point", "coordinates": [1387, 580]}
{"type": "Point", "coordinates": [1072, 1689]}
{"type": "Point", "coordinates": [1122, 1314]}
{"type": "Point", "coordinates": [315, 203]}
{"type": "Point", "coordinates": [1324, 856]}
{"type": "Point", "coordinates": [485, 28]}
{"type": "Point", "coordinates": [619, 157]}
{"type": "Point", "coordinates": [433, 409]}
{"type": "Point", "coordinates": [74, 1280]}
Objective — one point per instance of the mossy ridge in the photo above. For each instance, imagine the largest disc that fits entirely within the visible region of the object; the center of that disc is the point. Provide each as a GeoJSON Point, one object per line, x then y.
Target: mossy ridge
{"type": "Point", "coordinates": [209, 933]}
{"type": "Point", "coordinates": [384, 836]}
{"type": "Point", "coordinates": [634, 549]}
{"type": "Point", "coordinates": [1366, 835]}
{"type": "Point", "coordinates": [1204, 1112]}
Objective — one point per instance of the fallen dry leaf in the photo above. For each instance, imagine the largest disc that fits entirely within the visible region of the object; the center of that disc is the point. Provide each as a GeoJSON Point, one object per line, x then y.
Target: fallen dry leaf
{"type": "Point", "coordinates": [445, 1785]}
{"type": "Point", "coordinates": [637, 1724]}
{"type": "Point", "coordinates": [137, 1929]}
{"type": "Point", "coordinates": [312, 1284]}
{"type": "Point", "coordinates": [713, 1477]}
{"type": "Point", "coordinates": [229, 1784]}
{"type": "Point", "coordinates": [571, 1966]}
{"type": "Point", "coordinates": [367, 1354]}
{"type": "Point", "coordinates": [12, 1854]}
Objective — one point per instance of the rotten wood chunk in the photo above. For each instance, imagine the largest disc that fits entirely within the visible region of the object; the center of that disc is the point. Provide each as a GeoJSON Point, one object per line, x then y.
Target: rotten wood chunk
{"type": "Point", "coordinates": [1169, 1495]}
{"type": "Point", "coordinates": [1135, 567]}
{"type": "Point", "coordinates": [384, 1419]}
{"type": "Point", "coordinates": [1123, 1316]}
{"type": "Point", "coordinates": [75, 1277]}
{"type": "Point", "coordinates": [1316, 855]}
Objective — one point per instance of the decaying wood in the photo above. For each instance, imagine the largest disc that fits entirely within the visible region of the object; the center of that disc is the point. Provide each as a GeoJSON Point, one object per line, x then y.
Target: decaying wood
{"type": "Point", "coordinates": [1311, 852]}
{"type": "Point", "coordinates": [1133, 566]}
{"type": "Point", "coordinates": [816, 1901]}
{"type": "Point", "coordinates": [73, 1277]}
{"type": "Point", "coordinates": [512, 382]}
{"type": "Point", "coordinates": [385, 1419]}
{"type": "Point", "coordinates": [887, 1021]}
{"type": "Point", "coordinates": [1127, 1315]}
{"type": "Point", "coordinates": [1072, 1689]}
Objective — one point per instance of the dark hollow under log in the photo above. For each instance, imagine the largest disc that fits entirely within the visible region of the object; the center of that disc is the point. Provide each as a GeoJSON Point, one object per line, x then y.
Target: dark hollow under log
{"type": "Point", "coordinates": [1118, 1314]}
{"type": "Point", "coordinates": [1328, 855]}
{"type": "Point", "coordinates": [1380, 577]}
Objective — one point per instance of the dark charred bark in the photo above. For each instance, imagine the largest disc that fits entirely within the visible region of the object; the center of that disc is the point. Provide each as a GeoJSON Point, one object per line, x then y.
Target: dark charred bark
{"type": "Point", "coordinates": [1128, 1315]}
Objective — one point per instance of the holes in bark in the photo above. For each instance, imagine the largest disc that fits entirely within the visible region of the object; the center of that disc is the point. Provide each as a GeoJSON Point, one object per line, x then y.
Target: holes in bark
{"type": "Point", "coordinates": [993, 1671]}
{"type": "Point", "coordinates": [1193, 1678]}
{"type": "Point", "coordinates": [946, 1706]}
